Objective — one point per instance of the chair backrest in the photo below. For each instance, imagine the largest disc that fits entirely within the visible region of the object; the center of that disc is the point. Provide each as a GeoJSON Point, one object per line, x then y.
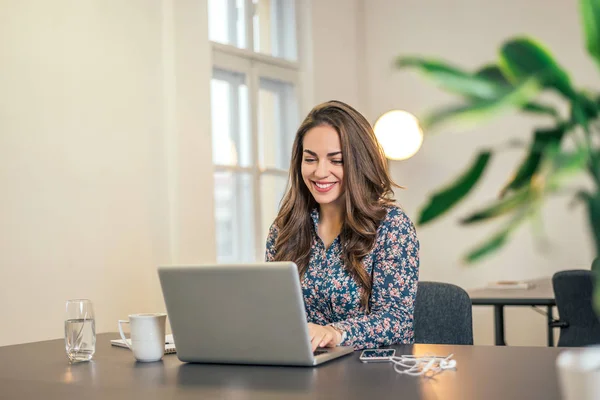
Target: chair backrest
{"type": "Point", "coordinates": [573, 292]}
{"type": "Point", "coordinates": [443, 314]}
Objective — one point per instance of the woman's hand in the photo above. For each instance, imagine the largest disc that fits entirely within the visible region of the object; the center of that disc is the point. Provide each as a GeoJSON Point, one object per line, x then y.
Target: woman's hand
{"type": "Point", "coordinates": [323, 336]}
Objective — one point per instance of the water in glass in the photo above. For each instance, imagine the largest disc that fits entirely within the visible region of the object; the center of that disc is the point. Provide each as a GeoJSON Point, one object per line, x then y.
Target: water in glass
{"type": "Point", "coordinates": [80, 331]}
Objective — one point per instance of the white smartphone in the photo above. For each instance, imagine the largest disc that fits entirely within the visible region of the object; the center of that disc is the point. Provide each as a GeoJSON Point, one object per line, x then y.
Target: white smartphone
{"type": "Point", "coordinates": [376, 355]}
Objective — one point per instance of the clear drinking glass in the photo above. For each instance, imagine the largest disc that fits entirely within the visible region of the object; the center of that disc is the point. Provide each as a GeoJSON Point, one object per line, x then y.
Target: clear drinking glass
{"type": "Point", "coordinates": [80, 330]}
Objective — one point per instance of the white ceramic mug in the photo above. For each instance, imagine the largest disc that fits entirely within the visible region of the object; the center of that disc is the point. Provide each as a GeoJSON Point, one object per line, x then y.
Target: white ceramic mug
{"type": "Point", "coordinates": [579, 373]}
{"type": "Point", "coordinates": [147, 336]}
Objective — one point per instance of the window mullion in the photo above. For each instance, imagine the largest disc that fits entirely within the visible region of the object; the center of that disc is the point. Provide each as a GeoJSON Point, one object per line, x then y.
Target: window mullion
{"type": "Point", "coordinates": [277, 39]}
{"type": "Point", "coordinates": [281, 141]}
{"type": "Point", "coordinates": [232, 25]}
{"type": "Point", "coordinates": [224, 50]}
{"type": "Point", "coordinates": [274, 172]}
{"type": "Point", "coordinates": [292, 111]}
{"type": "Point", "coordinates": [233, 168]}
{"type": "Point", "coordinates": [253, 88]}
{"type": "Point", "coordinates": [249, 15]}
{"type": "Point", "coordinates": [235, 117]}
{"type": "Point", "coordinates": [233, 122]}
{"type": "Point", "coordinates": [238, 180]}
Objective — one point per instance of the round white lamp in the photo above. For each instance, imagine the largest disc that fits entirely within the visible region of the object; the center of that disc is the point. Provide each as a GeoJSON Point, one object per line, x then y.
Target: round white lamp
{"type": "Point", "coordinates": [399, 134]}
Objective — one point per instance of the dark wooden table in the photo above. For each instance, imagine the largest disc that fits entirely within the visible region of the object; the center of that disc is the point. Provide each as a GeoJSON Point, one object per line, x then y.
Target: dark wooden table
{"type": "Point", "coordinates": [41, 371]}
{"type": "Point", "coordinates": [540, 295]}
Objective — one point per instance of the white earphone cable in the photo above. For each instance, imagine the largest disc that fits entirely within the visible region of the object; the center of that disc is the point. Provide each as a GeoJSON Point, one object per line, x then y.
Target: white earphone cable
{"type": "Point", "coordinates": [422, 365]}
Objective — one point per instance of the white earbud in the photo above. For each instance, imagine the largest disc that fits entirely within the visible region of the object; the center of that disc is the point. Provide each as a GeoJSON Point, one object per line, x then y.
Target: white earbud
{"type": "Point", "coordinates": [447, 364]}
{"type": "Point", "coordinates": [422, 365]}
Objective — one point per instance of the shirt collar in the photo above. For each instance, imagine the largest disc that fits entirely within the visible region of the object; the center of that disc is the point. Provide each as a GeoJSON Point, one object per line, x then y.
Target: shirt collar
{"type": "Point", "coordinates": [314, 214]}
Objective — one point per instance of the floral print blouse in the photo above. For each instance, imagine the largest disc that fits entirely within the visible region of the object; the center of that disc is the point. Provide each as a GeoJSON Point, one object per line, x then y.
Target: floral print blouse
{"type": "Point", "coordinates": [332, 296]}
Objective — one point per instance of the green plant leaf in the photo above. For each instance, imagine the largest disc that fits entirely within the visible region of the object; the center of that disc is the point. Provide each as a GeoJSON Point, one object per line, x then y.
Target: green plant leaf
{"type": "Point", "coordinates": [589, 106]}
{"type": "Point", "coordinates": [578, 114]}
{"type": "Point", "coordinates": [590, 16]}
{"type": "Point", "coordinates": [592, 202]}
{"type": "Point", "coordinates": [493, 73]}
{"type": "Point", "coordinates": [565, 164]}
{"type": "Point", "coordinates": [542, 139]}
{"type": "Point", "coordinates": [500, 207]}
{"type": "Point", "coordinates": [538, 108]}
{"type": "Point", "coordinates": [583, 111]}
{"type": "Point", "coordinates": [448, 197]}
{"type": "Point", "coordinates": [488, 247]}
{"type": "Point", "coordinates": [477, 111]}
{"type": "Point", "coordinates": [495, 242]}
{"type": "Point", "coordinates": [593, 208]}
{"type": "Point", "coordinates": [522, 58]}
{"type": "Point", "coordinates": [596, 269]}
{"type": "Point", "coordinates": [451, 78]}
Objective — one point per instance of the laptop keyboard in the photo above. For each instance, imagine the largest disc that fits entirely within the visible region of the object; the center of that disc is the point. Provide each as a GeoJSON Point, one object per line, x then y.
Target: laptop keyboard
{"type": "Point", "coordinates": [320, 351]}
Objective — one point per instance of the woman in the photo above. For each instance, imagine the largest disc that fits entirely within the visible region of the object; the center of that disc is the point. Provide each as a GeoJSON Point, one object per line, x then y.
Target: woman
{"type": "Point", "coordinates": [357, 253]}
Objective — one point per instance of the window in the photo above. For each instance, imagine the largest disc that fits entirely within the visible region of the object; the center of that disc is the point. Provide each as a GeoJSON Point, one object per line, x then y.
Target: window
{"type": "Point", "coordinates": [255, 114]}
{"type": "Point", "coordinates": [262, 26]}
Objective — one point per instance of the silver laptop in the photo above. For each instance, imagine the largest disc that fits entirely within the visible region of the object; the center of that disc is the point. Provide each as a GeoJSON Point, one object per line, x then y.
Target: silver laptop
{"type": "Point", "coordinates": [240, 314]}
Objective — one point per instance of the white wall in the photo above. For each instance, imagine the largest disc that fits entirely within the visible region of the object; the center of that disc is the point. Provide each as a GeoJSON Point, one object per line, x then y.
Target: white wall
{"type": "Point", "coordinates": [104, 156]}
{"type": "Point", "coordinates": [338, 52]}
{"type": "Point", "coordinates": [468, 32]}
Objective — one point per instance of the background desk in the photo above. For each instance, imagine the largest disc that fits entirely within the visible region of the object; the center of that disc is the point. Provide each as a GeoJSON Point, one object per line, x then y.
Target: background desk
{"type": "Point", "coordinates": [541, 294]}
{"type": "Point", "coordinates": [41, 371]}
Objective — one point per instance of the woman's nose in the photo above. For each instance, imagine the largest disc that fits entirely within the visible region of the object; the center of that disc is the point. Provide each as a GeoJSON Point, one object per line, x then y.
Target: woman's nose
{"type": "Point", "coordinates": [322, 170]}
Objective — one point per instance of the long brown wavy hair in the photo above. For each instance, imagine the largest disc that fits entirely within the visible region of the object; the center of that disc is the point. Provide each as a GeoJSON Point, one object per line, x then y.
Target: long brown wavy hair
{"type": "Point", "coordinates": [368, 189]}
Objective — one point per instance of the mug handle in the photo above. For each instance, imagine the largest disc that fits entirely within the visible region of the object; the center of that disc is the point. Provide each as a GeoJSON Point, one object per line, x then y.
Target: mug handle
{"type": "Point", "coordinates": [122, 333]}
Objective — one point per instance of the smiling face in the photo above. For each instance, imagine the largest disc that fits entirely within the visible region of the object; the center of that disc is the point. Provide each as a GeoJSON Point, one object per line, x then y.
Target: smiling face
{"type": "Point", "coordinates": [322, 164]}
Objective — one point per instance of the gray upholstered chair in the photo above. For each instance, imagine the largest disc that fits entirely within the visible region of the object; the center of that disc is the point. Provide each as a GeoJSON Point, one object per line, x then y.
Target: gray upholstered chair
{"type": "Point", "coordinates": [579, 325]}
{"type": "Point", "coordinates": [443, 314]}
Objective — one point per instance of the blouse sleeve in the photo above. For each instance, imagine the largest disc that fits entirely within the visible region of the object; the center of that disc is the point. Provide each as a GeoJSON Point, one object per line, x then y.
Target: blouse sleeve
{"type": "Point", "coordinates": [270, 249]}
{"type": "Point", "coordinates": [395, 277]}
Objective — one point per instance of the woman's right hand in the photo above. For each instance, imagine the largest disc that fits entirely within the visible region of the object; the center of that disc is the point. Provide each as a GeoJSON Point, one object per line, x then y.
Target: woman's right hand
{"type": "Point", "coordinates": [323, 336]}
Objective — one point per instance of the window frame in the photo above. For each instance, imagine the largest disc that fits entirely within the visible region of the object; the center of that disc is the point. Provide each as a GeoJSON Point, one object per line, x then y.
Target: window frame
{"type": "Point", "coordinates": [254, 66]}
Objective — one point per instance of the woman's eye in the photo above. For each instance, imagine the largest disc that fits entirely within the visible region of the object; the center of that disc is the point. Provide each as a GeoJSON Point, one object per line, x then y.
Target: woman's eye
{"type": "Point", "coordinates": [337, 162]}
{"type": "Point", "coordinates": [309, 160]}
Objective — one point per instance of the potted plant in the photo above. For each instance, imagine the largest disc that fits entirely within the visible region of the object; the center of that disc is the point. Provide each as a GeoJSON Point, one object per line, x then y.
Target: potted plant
{"type": "Point", "coordinates": [523, 70]}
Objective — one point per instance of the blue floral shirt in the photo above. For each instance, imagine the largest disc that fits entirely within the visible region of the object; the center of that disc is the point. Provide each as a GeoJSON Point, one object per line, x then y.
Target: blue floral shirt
{"type": "Point", "coordinates": [332, 296]}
